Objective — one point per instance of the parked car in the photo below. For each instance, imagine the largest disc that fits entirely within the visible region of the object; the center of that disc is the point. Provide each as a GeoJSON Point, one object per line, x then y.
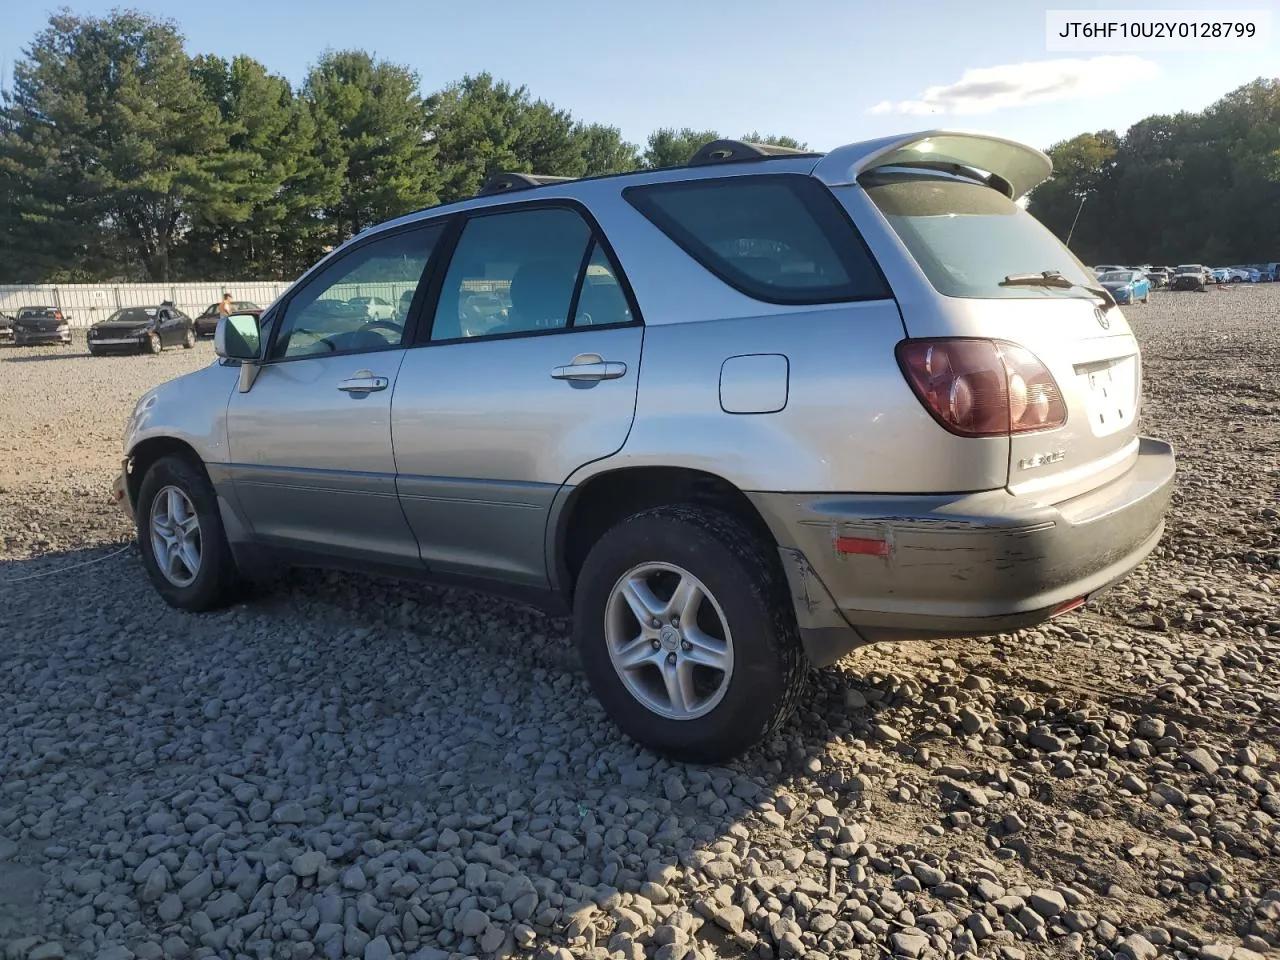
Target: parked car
{"type": "Point", "coordinates": [1159, 277]}
{"type": "Point", "coordinates": [36, 325]}
{"type": "Point", "coordinates": [696, 425]}
{"type": "Point", "coordinates": [375, 308]}
{"type": "Point", "coordinates": [1127, 286]}
{"type": "Point", "coordinates": [1191, 276]}
{"type": "Point", "coordinates": [1244, 274]}
{"type": "Point", "coordinates": [1219, 275]}
{"type": "Point", "coordinates": [207, 321]}
{"type": "Point", "coordinates": [142, 330]}
{"type": "Point", "coordinates": [6, 327]}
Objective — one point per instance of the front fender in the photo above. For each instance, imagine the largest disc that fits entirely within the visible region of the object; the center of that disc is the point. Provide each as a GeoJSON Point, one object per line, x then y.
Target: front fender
{"type": "Point", "coordinates": [191, 408]}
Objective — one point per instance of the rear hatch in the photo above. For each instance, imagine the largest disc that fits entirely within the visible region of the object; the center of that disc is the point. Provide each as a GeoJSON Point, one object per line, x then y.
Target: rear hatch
{"type": "Point", "coordinates": [984, 257]}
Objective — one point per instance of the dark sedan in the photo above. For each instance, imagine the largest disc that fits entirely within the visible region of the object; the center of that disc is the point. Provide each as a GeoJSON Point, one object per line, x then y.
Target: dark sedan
{"type": "Point", "coordinates": [142, 330]}
{"type": "Point", "coordinates": [207, 322]}
{"type": "Point", "coordinates": [35, 325]}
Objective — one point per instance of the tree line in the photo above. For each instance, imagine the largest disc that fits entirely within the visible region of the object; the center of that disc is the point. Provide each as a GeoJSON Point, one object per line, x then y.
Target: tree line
{"type": "Point", "coordinates": [123, 157]}
{"type": "Point", "coordinates": [1188, 188]}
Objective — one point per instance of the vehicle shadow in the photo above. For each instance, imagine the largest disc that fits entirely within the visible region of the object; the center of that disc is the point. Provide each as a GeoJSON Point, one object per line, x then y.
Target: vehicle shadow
{"type": "Point", "coordinates": [470, 714]}
{"type": "Point", "coordinates": [16, 357]}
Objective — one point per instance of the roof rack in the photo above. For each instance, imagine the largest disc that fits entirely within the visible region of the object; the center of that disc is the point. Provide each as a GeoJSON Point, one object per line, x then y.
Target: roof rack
{"type": "Point", "coordinates": [729, 151]}
{"type": "Point", "coordinates": [505, 182]}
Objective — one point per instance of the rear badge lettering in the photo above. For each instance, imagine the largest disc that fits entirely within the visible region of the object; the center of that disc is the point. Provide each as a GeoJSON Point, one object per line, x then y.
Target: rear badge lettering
{"type": "Point", "coordinates": [1042, 460]}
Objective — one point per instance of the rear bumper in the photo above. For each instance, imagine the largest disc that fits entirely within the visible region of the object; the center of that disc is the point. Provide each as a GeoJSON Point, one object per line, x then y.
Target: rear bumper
{"type": "Point", "coordinates": [961, 565]}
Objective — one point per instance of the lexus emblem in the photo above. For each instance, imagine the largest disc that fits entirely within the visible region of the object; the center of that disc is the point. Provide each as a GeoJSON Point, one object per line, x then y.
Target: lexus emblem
{"type": "Point", "coordinates": [1101, 316]}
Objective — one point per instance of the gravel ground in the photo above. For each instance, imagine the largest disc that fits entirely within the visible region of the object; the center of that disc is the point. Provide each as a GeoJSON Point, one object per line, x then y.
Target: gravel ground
{"type": "Point", "coordinates": [348, 768]}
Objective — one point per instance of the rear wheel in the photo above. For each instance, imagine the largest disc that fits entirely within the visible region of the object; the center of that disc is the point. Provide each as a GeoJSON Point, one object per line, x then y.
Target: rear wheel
{"type": "Point", "coordinates": [188, 339]}
{"type": "Point", "coordinates": [184, 547]}
{"type": "Point", "coordinates": [687, 634]}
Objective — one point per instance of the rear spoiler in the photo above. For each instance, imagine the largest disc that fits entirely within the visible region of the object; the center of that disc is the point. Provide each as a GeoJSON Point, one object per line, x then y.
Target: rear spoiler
{"type": "Point", "coordinates": [1012, 168]}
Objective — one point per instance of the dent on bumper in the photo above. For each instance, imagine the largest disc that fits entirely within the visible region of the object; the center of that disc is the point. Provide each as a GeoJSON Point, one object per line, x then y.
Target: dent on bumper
{"type": "Point", "coordinates": [961, 565]}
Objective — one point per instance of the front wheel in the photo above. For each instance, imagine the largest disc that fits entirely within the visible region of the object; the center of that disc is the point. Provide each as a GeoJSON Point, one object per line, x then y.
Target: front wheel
{"type": "Point", "coordinates": [184, 547]}
{"type": "Point", "coordinates": [687, 634]}
{"type": "Point", "coordinates": [153, 344]}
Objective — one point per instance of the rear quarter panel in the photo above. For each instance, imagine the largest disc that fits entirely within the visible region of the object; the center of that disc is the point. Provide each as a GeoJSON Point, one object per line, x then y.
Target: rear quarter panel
{"type": "Point", "coordinates": [850, 423]}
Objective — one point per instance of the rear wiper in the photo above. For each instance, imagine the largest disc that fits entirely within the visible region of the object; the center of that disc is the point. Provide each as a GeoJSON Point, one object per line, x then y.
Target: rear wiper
{"type": "Point", "coordinates": [1054, 279]}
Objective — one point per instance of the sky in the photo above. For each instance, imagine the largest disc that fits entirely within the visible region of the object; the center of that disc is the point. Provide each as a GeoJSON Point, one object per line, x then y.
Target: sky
{"type": "Point", "coordinates": [826, 72]}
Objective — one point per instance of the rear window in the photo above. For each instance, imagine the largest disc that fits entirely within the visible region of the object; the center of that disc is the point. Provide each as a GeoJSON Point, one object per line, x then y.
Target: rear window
{"type": "Point", "coordinates": [967, 237]}
{"type": "Point", "coordinates": [27, 313]}
{"type": "Point", "coordinates": [778, 238]}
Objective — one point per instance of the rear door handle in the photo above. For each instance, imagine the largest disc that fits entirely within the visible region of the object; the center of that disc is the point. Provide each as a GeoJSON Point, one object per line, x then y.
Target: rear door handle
{"type": "Point", "coordinates": [591, 370]}
{"type": "Point", "coordinates": [363, 382]}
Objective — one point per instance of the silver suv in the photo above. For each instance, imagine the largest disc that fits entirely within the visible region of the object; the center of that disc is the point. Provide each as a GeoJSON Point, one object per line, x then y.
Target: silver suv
{"type": "Point", "coordinates": [737, 417]}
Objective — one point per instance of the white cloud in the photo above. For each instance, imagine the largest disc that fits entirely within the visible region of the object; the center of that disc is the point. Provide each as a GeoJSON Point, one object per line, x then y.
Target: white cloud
{"type": "Point", "coordinates": [987, 89]}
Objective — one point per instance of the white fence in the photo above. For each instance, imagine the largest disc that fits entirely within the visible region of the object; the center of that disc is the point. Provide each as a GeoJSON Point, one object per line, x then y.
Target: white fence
{"type": "Point", "coordinates": [87, 303]}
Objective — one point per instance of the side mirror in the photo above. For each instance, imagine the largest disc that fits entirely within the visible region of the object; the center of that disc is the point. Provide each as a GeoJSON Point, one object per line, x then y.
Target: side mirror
{"type": "Point", "coordinates": [237, 337]}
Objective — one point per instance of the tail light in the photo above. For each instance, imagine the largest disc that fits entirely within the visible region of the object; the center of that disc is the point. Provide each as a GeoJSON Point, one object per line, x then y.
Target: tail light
{"type": "Point", "coordinates": [982, 388]}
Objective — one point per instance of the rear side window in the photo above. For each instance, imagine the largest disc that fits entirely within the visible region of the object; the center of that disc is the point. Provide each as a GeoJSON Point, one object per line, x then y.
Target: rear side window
{"type": "Point", "coordinates": [966, 237]}
{"type": "Point", "coordinates": [778, 238]}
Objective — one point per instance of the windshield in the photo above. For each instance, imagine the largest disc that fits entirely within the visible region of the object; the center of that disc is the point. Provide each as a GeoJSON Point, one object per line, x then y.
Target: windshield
{"type": "Point", "coordinates": [131, 315]}
{"type": "Point", "coordinates": [1116, 276]}
{"type": "Point", "coordinates": [1189, 269]}
{"type": "Point", "coordinates": [966, 237]}
{"type": "Point", "coordinates": [28, 312]}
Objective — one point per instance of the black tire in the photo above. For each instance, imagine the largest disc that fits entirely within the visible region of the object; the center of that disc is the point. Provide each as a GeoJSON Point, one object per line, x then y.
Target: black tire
{"type": "Point", "coordinates": [93, 351]}
{"type": "Point", "coordinates": [216, 580]}
{"type": "Point", "coordinates": [742, 572]}
{"type": "Point", "coordinates": [154, 344]}
{"type": "Point", "coordinates": [188, 339]}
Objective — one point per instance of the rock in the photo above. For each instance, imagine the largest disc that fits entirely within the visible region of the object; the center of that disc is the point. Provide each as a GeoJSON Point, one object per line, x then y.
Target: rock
{"type": "Point", "coordinates": [731, 918]}
{"type": "Point", "coordinates": [909, 944]}
{"type": "Point", "coordinates": [170, 908]}
{"type": "Point", "coordinates": [972, 721]}
{"type": "Point", "coordinates": [492, 939]}
{"type": "Point", "coordinates": [1046, 741]}
{"type": "Point", "coordinates": [308, 864]}
{"type": "Point", "coordinates": [474, 923]}
{"type": "Point", "coordinates": [1047, 903]}
{"type": "Point", "coordinates": [1201, 760]}
{"type": "Point", "coordinates": [289, 813]}
{"type": "Point", "coordinates": [1150, 728]}
{"type": "Point", "coordinates": [1137, 947]}
{"type": "Point", "coordinates": [47, 951]}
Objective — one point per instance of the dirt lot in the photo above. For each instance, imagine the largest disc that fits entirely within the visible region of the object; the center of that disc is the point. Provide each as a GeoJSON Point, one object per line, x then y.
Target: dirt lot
{"type": "Point", "coordinates": [353, 768]}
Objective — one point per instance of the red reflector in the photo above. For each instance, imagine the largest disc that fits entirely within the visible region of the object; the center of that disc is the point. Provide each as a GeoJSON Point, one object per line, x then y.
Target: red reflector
{"type": "Point", "coordinates": [1068, 606]}
{"type": "Point", "coordinates": [863, 547]}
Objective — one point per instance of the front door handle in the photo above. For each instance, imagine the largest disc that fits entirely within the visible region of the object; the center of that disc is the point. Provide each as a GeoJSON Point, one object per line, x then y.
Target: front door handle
{"type": "Point", "coordinates": [590, 366]}
{"type": "Point", "coordinates": [363, 382]}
